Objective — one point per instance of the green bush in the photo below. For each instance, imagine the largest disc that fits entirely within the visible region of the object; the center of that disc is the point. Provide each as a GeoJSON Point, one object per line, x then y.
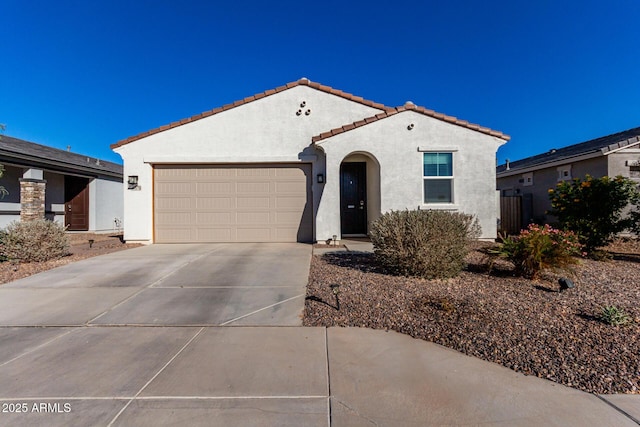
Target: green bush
{"type": "Point", "coordinates": [34, 241]}
{"type": "Point", "coordinates": [539, 247]}
{"type": "Point", "coordinates": [593, 208]}
{"type": "Point", "coordinates": [425, 243]}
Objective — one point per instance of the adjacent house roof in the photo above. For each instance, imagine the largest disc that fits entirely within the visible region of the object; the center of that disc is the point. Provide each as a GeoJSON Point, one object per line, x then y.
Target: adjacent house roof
{"type": "Point", "coordinates": [18, 151]}
{"type": "Point", "coordinates": [387, 111]}
{"type": "Point", "coordinates": [412, 107]}
{"type": "Point", "coordinates": [602, 145]}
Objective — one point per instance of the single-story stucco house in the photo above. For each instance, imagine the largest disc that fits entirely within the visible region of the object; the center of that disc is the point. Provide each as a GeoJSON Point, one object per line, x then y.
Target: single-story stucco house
{"type": "Point", "coordinates": [303, 162]}
{"type": "Point", "coordinates": [527, 181]}
{"type": "Point", "coordinates": [83, 193]}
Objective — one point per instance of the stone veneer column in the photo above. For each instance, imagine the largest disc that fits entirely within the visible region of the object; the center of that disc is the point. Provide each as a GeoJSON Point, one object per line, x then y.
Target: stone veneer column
{"type": "Point", "coordinates": [32, 193]}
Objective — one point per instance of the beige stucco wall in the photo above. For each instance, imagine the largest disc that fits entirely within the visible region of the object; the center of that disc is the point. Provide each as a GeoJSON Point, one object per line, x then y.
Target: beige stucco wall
{"type": "Point", "coordinates": [398, 152]}
{"type": "Point", "coordinates": [619, 163]}
{"type": "Point", "coordinates": [266, 130]}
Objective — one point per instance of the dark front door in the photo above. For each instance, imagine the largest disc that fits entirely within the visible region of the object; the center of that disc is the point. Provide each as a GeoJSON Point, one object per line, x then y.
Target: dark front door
{"type": "Point", "coordinates": [353, 203]}
{"type": "Point", "coordinates": [76, 206]}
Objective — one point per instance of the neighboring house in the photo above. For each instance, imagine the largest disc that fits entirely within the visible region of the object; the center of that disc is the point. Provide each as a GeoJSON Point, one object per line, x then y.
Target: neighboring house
{"type": "Point", "coordinates": [303, 162]}
{"type": "Point", "coordinates": [81, 192]}
{"type": "Point", "coordinates": [528, 181]}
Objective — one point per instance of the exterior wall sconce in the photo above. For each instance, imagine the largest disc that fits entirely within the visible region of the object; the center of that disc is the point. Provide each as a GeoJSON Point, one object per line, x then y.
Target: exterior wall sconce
{"type": "Point", "coordinates": [320, 178]}
{"type": "Point", "coordinates": [132, 182]}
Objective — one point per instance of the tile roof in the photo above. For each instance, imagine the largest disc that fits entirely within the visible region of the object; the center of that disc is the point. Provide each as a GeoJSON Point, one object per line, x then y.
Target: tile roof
{"type": "Point", "coordinates": [14, 150]}
{"type": "Point", "coordinates": [410, 107]}
{"type": "Point", "coordinates": [387, 111]}
{"type": "Point", "coordinates": [302, 82]}
{"type": "Point", "coordinates": [601, 145]}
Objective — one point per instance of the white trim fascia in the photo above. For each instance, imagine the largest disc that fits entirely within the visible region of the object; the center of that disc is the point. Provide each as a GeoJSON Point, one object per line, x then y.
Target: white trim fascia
{"type": "Point", "coordinates": [555, 163]}
{"type": "Point", "coordinates": [233, 159]}
{"type": "Point", "coordinates": [10, 206]}
{"type": "Point", "coordinates": [439, 207]}
{"type": "Point", "coordinates": [429, 149]}
{"type": "Point", "coordinates": [59, 172]}
{"type": "Point", "coordinates": [615, 150]}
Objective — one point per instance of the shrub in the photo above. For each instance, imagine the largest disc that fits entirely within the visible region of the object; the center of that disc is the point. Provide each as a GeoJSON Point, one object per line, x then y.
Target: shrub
{"type": "Point", "coordinates": [614, 316]}
{"type": "Point", "coordinates": [593, 208]}
{"type": "Point", "coordinates": [540, 247]}
{"type": "Point", "coordinates": [425, 243]}
{"type": "Point", "coordinates": [33, 241]}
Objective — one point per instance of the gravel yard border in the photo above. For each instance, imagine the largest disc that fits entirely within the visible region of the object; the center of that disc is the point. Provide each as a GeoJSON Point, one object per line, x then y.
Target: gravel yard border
{"type": "Point", "coordinates": [528, 326]}
{"type": "Point", "coordinates": [79, 249]}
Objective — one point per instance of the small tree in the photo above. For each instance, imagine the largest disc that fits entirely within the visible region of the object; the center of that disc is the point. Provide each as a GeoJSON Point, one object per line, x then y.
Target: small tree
{"type": "Point", "coordinates": [593, 207]}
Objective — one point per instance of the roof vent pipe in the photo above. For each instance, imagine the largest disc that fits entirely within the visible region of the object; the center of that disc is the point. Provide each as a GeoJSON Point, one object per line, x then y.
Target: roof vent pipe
{"type": "Point", "coordinates": [508, 165]}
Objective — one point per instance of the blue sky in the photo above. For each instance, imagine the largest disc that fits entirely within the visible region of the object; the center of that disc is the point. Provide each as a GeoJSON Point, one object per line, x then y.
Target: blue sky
{"type": "Point", "coordinates": [90, 73]}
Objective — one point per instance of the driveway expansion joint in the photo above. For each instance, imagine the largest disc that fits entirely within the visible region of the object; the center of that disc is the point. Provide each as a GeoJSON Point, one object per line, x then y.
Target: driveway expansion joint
{"type": "Point", "coordinates": [614, 406]}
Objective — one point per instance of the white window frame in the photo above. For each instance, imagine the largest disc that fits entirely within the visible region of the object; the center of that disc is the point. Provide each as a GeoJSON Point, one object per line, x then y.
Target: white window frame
{"type": "Point", "coordinates": [451, 177]}
{"type": "Point", "coordinates": [564, 173]}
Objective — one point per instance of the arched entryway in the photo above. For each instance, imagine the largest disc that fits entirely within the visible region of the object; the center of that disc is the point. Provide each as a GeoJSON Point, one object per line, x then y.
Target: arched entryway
{"type": "Point", "coordinates": [359, 193]}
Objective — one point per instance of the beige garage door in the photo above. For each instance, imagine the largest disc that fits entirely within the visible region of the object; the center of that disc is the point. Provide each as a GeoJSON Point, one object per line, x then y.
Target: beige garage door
{"type": "Point", "coordinates": [232, 203]}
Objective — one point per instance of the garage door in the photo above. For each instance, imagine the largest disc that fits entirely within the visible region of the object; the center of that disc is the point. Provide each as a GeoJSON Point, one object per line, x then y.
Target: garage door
{"type": "Point", "coordinates": [232, 203]}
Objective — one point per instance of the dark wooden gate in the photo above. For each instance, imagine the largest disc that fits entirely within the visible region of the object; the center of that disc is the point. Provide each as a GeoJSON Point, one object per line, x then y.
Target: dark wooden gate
{"type": "Point", "coordinates": [510, 215]}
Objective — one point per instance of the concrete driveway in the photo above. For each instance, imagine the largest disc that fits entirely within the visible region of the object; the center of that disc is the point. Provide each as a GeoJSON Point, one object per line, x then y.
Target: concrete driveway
{"type": "Point", "coordinates": [159, 335]}
{"type": "Point", "coordinates": [169, 285]}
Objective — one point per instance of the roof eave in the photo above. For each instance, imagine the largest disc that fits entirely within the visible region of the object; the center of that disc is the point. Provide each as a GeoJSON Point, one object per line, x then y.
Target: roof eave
{"type": "Point", "coordinates": [548, 164]}
{"type": "Point", "coordinates": [300, 82]}
{"type": "Point", "coordinates": [26, 160]}
{"type": "Point", "coordinates": [318, 139]}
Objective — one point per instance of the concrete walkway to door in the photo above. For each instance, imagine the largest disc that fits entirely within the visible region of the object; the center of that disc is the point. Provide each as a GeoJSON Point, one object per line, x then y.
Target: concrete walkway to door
{"type": "Point", "coordinates": [160, 335]}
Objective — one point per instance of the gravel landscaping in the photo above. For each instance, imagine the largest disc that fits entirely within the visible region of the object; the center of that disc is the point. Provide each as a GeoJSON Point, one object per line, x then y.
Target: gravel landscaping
{"type": "Point", "coordinates": [79, 249]}
{"type": "Point", "coordinates": [528, 326]}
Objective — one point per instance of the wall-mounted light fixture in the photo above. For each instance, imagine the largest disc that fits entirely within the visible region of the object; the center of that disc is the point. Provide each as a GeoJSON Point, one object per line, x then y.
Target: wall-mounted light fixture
{"type": "Point", "coordinates": [132, 182]}
{"type": "Point", "coordinates": [320, 178]}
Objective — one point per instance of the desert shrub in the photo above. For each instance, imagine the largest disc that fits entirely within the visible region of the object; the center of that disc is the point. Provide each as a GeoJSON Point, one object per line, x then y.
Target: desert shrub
{"type": "Point", "coordinates": [614, 316]}
{"type": "Point", "coordinates": [539, 247]}
{"type": "Point", "coordinates": [33, 241]}
{"type": "Point", "coordinates": [425, 243]}
{"type": "Point", "coordinates": [593, 208]}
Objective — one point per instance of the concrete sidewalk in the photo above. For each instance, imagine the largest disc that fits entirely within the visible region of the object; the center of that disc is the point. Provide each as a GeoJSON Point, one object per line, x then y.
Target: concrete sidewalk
{"type": "Point", "coordinates": [269, 376]}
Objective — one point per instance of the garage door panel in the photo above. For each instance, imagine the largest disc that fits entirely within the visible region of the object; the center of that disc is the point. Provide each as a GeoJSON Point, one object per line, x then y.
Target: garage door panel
{"type": "Point", "coordinates": [218, 172]}
{"type": "Point", "coordinates": [203, 234]}
{"type": "Point", "coordinates": [174, 173]}
{"type": "Point", "coordinates": [175, 187]}
{"type": "Point", "coordinates": [232, 203]}
{"type": "Point", "coordinates": [290, 187]}
{"type": "Point", "coordinates": [261, 202]}
{"type": "Point", "coordinates": [253, 218]}
{"type": "Point", "coordinates": [174, 218]}
{"type": "Point", "coordinates": [210, 188]}
{"type": "Point", "coordinates": [281, 218]}
{"type": "Point", "coordinates": [288, 202]}
{"type": "Point", "coordinates": [252, 187]}
{"type": "Point", "coordinates": [178, 203]}
{"type": "Point", "coordinates": [174, 235]}
{"type": "Point", "coordinates": [253, 172]}
{"type": "Point", "coordinates": [207, 218]}
{"type": "Point", "coordinates": [214, 203]}
{"type": "Point", "coordinates": [254, 234]}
